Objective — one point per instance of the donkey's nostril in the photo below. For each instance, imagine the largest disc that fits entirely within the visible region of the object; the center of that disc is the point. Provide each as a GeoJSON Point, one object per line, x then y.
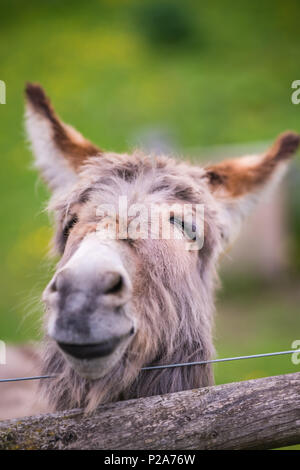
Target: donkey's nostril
{"type": "Point", "coordinates": [60, 282]}
{"type": "Point", "coordinates": [53, 286]}
{"type": "Point", "coordinates": [114, 283]}
{"type": "Point", "coordinates": [132, 331]}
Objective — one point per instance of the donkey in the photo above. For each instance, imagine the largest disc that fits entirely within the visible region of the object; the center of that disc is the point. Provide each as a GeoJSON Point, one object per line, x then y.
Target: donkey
{"type": "Point", "coordinates": [117, 305]}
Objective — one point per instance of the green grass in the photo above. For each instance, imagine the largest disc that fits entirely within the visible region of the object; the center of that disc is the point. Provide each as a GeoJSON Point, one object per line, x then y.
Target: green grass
{"type": "Point", "coordinates": [230, 83]}
{"type": "Point", "coordinates": [260, 320]}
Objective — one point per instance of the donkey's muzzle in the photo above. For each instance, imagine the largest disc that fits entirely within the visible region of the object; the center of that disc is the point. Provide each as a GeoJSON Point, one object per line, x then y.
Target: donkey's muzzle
{"type": "Point", "coordinates": [90, 351]}
{"type": "Point", "coordinates": [89, 309]}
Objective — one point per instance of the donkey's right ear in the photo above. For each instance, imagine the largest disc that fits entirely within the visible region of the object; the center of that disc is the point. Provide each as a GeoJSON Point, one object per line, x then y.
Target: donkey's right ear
{"type": "Point", "coordinates": [58, 148]}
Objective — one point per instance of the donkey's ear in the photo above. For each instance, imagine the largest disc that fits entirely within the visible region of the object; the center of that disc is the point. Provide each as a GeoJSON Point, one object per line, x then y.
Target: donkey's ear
{"type": "Point", "coordinates": [240, 183]}
{"type": "Point", "coordinates": [58, 148]}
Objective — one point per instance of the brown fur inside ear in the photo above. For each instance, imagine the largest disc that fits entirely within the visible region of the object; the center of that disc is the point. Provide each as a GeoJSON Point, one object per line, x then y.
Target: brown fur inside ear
{"type": "Point", "coordinates": [73, 145]}
{"type": "Point", "coordinates": [284, 146]}
{"type": "Point", "coordinates": [242, 175]}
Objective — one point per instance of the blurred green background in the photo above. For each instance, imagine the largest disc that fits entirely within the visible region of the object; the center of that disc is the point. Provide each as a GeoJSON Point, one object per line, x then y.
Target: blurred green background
{"type": "Point", "coordinates": [191, 74]}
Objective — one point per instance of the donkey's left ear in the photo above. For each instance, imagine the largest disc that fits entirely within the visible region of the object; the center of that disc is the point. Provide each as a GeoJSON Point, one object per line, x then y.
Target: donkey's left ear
{"type": "Point", "coordinates": [240, 183]}
{"type": "Point", "coordinates": [59, 149]}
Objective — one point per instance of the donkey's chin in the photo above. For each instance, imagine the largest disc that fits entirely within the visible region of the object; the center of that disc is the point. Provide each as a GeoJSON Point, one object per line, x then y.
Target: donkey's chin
{"type": "Point", "coordinates": [97, 367]}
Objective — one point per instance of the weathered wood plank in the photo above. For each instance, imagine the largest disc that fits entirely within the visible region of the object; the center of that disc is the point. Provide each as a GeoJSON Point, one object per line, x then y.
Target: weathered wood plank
{"type": "Point", "coordinates": [255, 414]}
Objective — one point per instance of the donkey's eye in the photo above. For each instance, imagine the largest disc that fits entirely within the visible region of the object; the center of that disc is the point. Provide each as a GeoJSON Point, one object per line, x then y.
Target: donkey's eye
{"type": "Point", "coordinates": [188, 229]}
{"type": "Point", "coordinates": [69, 226]}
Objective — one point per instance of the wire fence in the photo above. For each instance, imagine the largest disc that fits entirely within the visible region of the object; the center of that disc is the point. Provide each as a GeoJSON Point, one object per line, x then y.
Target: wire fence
{"type": "Point", "coordinates": [167, 366]}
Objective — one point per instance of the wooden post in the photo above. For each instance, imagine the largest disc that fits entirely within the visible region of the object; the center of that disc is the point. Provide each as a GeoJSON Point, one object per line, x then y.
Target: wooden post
{"type": "Point", "coordinates": [255, 414]}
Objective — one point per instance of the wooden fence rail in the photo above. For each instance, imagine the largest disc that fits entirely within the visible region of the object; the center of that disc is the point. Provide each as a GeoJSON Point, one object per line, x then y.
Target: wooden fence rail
{"type": "Point", "coordinates": [255, 414]}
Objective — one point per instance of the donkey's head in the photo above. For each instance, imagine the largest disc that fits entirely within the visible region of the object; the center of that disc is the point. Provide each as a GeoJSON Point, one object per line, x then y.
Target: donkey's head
{"type": "Point", "coordinates": [125, 294]}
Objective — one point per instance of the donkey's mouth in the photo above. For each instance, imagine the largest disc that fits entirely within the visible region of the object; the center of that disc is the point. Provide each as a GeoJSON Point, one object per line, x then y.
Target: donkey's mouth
{"type": "Point", "coordinates": [94, 360]}
{"type": "Point", "coordinates": [90, 351]}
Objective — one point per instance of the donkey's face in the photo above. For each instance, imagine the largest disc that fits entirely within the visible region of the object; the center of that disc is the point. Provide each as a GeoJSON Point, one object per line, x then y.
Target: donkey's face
{"type": "Point", "coordinates": [119, 302]}
{"type": "Point", "coordinates": [95, 299]}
